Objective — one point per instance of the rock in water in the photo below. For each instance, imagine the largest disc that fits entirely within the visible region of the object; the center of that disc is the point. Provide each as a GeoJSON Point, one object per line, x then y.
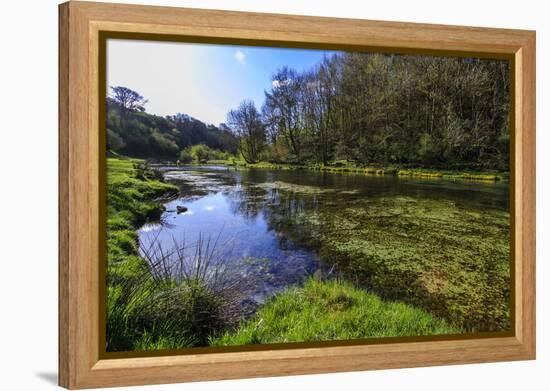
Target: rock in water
{"type": "Point", "coordinates": [181, 209]}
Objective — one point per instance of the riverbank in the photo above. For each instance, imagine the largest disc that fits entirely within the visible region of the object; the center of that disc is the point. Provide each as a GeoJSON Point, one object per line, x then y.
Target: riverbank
{"type": "Point", "coordinates": [332, 310]}
{"type": "Point", "coordinates": [345, 167]}
{"type": "Point", "coordinates": [133, 198]}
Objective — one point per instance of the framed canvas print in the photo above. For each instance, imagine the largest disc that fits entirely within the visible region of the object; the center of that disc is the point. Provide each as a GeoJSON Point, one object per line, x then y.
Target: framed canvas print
{"type": "Point", "coordinates": [247, 195]}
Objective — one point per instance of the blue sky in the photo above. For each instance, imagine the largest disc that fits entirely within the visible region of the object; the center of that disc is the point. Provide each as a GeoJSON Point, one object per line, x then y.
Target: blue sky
{"type": "Point", "coordinates": [204, 81]}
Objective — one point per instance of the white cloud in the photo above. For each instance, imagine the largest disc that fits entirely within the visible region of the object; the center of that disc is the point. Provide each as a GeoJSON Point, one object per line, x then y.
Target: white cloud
{"type": "Point", "coordinates": [240, 57]}
{"type": "Point", "coordinates": [150, 227]}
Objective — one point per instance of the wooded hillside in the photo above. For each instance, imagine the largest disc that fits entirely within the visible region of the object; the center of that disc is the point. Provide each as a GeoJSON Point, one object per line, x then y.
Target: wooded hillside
{"type": "Point", "coordinates": [133, 132]}
{"type": "Point", "coordinates": [382, 108]}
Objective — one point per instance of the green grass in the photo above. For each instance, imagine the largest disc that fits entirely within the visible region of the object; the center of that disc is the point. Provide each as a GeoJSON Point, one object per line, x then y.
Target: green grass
{"type": "Point", "coordinates": [460, 175]}
{"type": "Point", "coordinates": [225, 162]}
{"type": "Point", "coordinates": [332, 310]}
{"type": "Point", "coordinates": [343, 166]}
{"type": "Point", "coordinates": [131, 192]}
{"type": "Point", "coordinates": [133, 198]}
{"type": "Point", "coordinates": [131, 195]}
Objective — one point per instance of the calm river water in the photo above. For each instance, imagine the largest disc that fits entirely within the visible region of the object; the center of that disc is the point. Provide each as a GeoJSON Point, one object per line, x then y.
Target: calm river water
{"type": "Point", "coordinates": [246, 218]}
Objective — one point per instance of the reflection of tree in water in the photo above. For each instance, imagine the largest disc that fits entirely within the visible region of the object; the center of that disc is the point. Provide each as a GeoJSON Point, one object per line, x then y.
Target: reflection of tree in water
{"type": "Point", "coordinates": [282, 210]}
{"type": "Point", "coordinates": [246, 201]}
{"type": "Point", "coordinates": [283, 213]}
{"type": "Point", "coordinates": [284, 217]}
{"type": "Point", "coordinates": [199, 183]}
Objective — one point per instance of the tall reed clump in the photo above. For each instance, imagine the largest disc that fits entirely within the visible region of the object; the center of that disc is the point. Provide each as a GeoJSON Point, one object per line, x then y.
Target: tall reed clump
{"type": "Point", "coordinates": [180, 300]}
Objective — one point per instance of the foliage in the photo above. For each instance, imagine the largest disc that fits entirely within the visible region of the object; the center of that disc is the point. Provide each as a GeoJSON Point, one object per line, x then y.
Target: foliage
{"type": "Point", "coordinates": [332, 310]}
{"type": "Point", "coordinates": [133, 132]}
{"type": "Point", "coordinates": [186, 156]}
{"type": "Point", "coordinates": [114, 141]}
{"type": "Point", "coordinates": [422, 111]}
{"type": "Point", "coordinates": [201, 153]}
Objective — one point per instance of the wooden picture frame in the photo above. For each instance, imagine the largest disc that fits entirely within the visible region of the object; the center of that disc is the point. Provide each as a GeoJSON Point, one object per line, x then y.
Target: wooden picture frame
{"type": "Point", "coordinates": [81, 362]}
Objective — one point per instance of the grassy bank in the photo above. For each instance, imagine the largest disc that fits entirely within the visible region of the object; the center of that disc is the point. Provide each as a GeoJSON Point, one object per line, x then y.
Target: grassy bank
{"type": "Point", "coordinates": [149, 305]}
{"type": "Point", "coordinates": [332, 310]}
{"type": "Point", "coordinates": [131, 194]}
{"type": "Point", "coordinates": [346, 167]}
{"type": "Point", "coordinates": [130, 203]}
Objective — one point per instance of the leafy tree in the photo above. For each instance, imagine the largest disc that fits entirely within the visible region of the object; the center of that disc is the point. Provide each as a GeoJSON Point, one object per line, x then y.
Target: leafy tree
{"type": "Point", "coordinates": [129, 100]}
{"type": "Point", "coordinates": [282, 108]}
{"type": "Point", "coordinates": [201, 153]}
{"type": "Point", "coordinates": [186, 156]}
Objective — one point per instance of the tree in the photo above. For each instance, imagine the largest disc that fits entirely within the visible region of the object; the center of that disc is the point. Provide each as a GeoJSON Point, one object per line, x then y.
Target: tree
{"type": "Point", "coordinates": [127, 99]}
{"type": "Point", "coordinates": [283, 108]}
{"type": "Point", "coordinates": [246, 123]}
{"type": "Point", "coordinates": [186, 156]}
{"type": "Point", "coordinates": [201, 153]}
{"type": "Point", "coordinates": [114, 141]}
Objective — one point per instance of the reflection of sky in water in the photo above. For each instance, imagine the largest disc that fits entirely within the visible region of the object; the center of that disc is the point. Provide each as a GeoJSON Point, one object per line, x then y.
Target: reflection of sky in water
{"type": "Point", "coordinates": [211, 218]}
{"type": "Point", "coordinates": [213, 221]}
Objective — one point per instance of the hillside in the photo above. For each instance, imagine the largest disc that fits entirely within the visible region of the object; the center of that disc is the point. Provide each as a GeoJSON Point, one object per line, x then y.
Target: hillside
{"type": "Point", "coordinates": [134, 132]}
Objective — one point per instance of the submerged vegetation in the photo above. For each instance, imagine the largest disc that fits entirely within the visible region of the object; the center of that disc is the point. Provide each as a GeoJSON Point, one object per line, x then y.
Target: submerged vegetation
{"type": "Point", "coordinates": [451, 261]}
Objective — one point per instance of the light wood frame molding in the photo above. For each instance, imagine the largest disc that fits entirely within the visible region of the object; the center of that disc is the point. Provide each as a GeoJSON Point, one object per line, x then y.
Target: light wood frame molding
{"type": "Point", "coordinates": [80, 24]}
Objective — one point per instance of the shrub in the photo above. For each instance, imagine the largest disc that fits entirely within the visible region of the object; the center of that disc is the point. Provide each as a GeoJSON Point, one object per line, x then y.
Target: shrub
{"type": "Point", "coordinates": [186, 156]}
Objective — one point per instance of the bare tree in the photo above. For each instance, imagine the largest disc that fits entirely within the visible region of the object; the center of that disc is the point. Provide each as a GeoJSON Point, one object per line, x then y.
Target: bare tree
{"type": "Point", "coordinates": [283, 104]}
{"type": "Point", "coordinates": [246, 123]}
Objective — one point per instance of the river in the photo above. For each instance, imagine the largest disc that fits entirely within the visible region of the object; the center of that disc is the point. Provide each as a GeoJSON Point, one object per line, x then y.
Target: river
{"type": "Point", "coordinates": [277, 227]}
